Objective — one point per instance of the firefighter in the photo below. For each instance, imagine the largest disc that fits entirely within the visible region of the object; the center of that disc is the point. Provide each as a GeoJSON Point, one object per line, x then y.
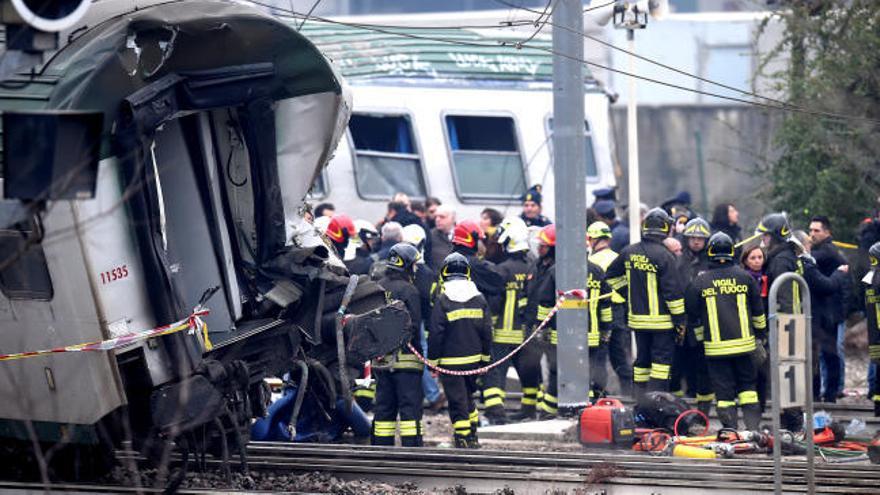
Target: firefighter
{"type": "Point", "coordinates": [871, 287]}
{"type": "Point", "coordinates": [399, 375]}
{"type": "Point", "coordinates": [465, 240]}
{"type": "Point", "coordinates": [541, 295]}
{"type": "Point", "coordinates": [339, 230]}
{"type": "Point", "coordinates": [689, 362]}
{"type": "Point", "coordinates": [509, 330]}
{"type": "Point", "coordinates": [620, 343]}
{"type": "Point", "coordinates": [542, 299]}
{"type": "Point", "coordinates": [655, 301]}
{"type": "Point", "coordinates": [782, 257]}
{"type": "Point", "coordinates": [460, 340]}
{"type": "Point", "coordinates": [724, 307]}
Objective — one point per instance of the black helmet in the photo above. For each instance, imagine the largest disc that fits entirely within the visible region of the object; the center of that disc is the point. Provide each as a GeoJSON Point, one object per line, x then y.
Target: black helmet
{"type": "Point", "coordinates": [402, 257]}
{"type": "Point", "coordinates": [657, 222]}
{"type": "Point", "coordinates": [721, 248]}
{"type": "Point", "coordinates": [776, 225]}
{"type": "Point", "coordinates": [455, 267]}
{"type": "Point", "coordinates": [697, 228]}
{"type": "Point", "coordinates": [874, 254]}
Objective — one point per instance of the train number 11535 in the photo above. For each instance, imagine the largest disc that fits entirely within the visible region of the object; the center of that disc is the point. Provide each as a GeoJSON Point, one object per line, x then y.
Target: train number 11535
{"type": "Point", "coordinates": [117, 273]}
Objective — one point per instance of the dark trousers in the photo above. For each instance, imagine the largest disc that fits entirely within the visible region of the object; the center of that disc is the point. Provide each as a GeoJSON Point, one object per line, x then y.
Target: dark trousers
{"type": "Point", "coordinates": [528, 367]}
{"type": "Point", "coordinates": [689, 365]}
{"type": "Point", "coordinates": [733, 380]}
{"type": "Point", "coordinates": [398, 393]}
{"type": "Point", "coordinates": [462, 409]}
{"type": "Point", "coordinates": [549, 400]}
{"type": "Point", "coordinates": [619, 349]}
{"type": "Point", "coordinates": [654, 351]}
{"type": "Point", "coordinates": [825, 348]}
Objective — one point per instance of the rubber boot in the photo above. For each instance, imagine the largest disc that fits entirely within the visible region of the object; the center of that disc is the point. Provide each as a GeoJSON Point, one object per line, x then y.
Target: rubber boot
{"type": "Point", "coordinates": [751, 416]}
{"type": "Point", "coordinates": [460, 442]}
{"type": "Point", "coordinates": [728, 417]}
{"type": "Point", "coordinates": [525, 413]}
{"type": "Point", "coordinates": [496, 415]}
{"type": "Point", "coordinates": [705, 407]}
{"type": "Point", "coordinates": [472, 441]}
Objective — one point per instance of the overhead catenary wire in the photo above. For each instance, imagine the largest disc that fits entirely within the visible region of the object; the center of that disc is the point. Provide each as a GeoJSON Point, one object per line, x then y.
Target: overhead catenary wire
{"type": "Point", "coordinates": [395, 30]}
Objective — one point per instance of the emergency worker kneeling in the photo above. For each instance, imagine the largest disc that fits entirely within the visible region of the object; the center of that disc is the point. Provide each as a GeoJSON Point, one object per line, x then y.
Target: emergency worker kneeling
{"type": "Point", "coordinates": [724, 310]}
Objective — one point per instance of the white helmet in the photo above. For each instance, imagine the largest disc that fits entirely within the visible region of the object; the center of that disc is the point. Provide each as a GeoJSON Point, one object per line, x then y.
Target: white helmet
{"type": "Point", "coordinates": [365, 231]}
{"type": "Point", "coordinates": [513, 235]}
{"type": "Point", "coordinates": [415, 235]}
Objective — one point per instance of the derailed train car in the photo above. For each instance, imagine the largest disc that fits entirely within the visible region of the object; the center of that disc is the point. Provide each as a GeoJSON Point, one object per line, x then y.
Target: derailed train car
{"type": "Point", "coordinates": [211, 121]}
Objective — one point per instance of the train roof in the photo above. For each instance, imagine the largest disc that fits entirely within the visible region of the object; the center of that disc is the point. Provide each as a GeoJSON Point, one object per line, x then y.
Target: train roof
{"type": "Point", "coordinates": [436, 56]}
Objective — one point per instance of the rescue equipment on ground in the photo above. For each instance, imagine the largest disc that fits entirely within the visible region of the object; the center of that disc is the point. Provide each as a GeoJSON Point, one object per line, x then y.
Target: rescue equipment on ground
{"type": "Point", "coordinates": [607, 422]}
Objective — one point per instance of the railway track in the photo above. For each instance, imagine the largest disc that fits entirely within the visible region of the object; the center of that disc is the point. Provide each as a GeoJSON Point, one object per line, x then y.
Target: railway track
{"type": "Point", "coordinates": [607, 471]}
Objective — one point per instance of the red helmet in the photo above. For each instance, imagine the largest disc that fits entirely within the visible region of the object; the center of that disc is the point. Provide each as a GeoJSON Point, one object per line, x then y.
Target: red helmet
{"type": "Point", "coordinates": [341, 228]}
{"type": "Point", "coordinates": [547, 235]}
{"type": "Point", "coordinates": [467, 233]}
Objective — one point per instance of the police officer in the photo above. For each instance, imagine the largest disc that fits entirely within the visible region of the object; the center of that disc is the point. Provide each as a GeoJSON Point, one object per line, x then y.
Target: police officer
{"type": "Point", "coordinates": [782, 257]}
{"type": "Point", "coordinates": [689, 361]}
{"type": "Point", "coordinates": [460, 340]}
{"type": "Point", "coordinates": [399, 375]}
{"type": "Point", "coordinates": [465, 240]}
{"type": "Point", "coordinates": [618, 348]}
{"type": "Point", "coordinates": [724, 307]}
{"type": "Point", "coordinates": [655, 302]}
{"type": "Point", "coordinates": [508, 311]}
{"type": "Point", "coordinates": [871, 286]}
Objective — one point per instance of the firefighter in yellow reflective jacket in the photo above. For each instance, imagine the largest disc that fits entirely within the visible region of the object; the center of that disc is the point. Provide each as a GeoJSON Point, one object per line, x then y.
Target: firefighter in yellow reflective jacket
{"type": "Point", "coordinates": [618, 350]}
{"type": "Point", "coordinates": [460, 340]}
{"type": "Point", "coordinates": [871, 287]}
{"type": "Point", "coordinates": [542, 299]}
{"type": "Point", "coordinates": [508, 310]}
{"type": "Point", "coordinates": [724, 306]}
{"type": "Point", "coordinates": [655, 301]}
{"type": "Point", "coordinates": [399, 375]}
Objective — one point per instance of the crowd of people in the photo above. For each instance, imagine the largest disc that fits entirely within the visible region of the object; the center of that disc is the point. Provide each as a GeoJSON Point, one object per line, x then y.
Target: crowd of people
{"type": "Point", "coordinates": [693, 294]}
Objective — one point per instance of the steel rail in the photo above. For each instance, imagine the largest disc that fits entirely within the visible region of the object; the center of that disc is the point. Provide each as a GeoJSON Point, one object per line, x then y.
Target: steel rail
{"type": "Point", "coordinates": [555, 468]}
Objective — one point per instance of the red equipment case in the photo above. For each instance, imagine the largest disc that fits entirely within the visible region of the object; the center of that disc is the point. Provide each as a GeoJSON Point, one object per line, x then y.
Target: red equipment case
{"type": "Point", "coordinates": [607, 422]}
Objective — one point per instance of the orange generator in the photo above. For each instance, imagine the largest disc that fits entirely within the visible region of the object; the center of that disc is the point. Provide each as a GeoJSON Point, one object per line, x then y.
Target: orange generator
{"type": "Point", "coordinates": [607, 422]}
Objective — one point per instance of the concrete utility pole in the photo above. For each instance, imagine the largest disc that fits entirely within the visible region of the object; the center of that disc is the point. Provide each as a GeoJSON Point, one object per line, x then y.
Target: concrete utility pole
{"type": "Point", "coordinates": [632, 140]}
{"type": "Point", "coordinates": [573, 360]}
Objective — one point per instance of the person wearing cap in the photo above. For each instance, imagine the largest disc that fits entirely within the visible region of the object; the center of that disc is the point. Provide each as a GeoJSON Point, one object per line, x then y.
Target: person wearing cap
{"type": "Point", "coordinates": [531, 214]}
{"type": "Point", "coordinates": [605, 193]}
{"type": "Point", "coordinates": [605, 210]}
{"type": "Point", "coordinates": [618, 349]}
{"type": "Point", "coordinates": [677, 202]}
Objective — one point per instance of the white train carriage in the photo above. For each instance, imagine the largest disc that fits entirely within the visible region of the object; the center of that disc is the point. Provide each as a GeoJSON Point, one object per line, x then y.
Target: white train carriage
{"type": "Point", "coordinates": [468, 120]}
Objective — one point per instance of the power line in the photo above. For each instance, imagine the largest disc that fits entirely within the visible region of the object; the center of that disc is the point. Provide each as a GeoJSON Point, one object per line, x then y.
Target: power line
{"type": "Point", "coordinates": [661, 64]}
{"type": "Point", "coordinates": [389, 30]}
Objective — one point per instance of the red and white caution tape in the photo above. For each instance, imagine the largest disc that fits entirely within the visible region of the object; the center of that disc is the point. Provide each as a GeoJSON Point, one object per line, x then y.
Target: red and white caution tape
{"type": "Point", "coordinates": [575, 294]}
{"type": "Point", "coordinates": [192, 323]}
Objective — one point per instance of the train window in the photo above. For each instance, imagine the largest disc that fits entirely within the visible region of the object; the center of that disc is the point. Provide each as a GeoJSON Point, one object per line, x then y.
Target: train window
{"type": "Point", "coordinates": [386, 156]}
{"type": "Point", "coordinates": [589, 154]}
{"type": "Point", "coordinates": [319, 188]}
{"type": "Point", "coordinates": [485, 154]}
{"type": "Point", "coordinates": [24, 273]}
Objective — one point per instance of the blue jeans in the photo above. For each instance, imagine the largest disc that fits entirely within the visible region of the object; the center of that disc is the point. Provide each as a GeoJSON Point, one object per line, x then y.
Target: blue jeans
{"type": "Point", "coordinates": [429, 384]}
